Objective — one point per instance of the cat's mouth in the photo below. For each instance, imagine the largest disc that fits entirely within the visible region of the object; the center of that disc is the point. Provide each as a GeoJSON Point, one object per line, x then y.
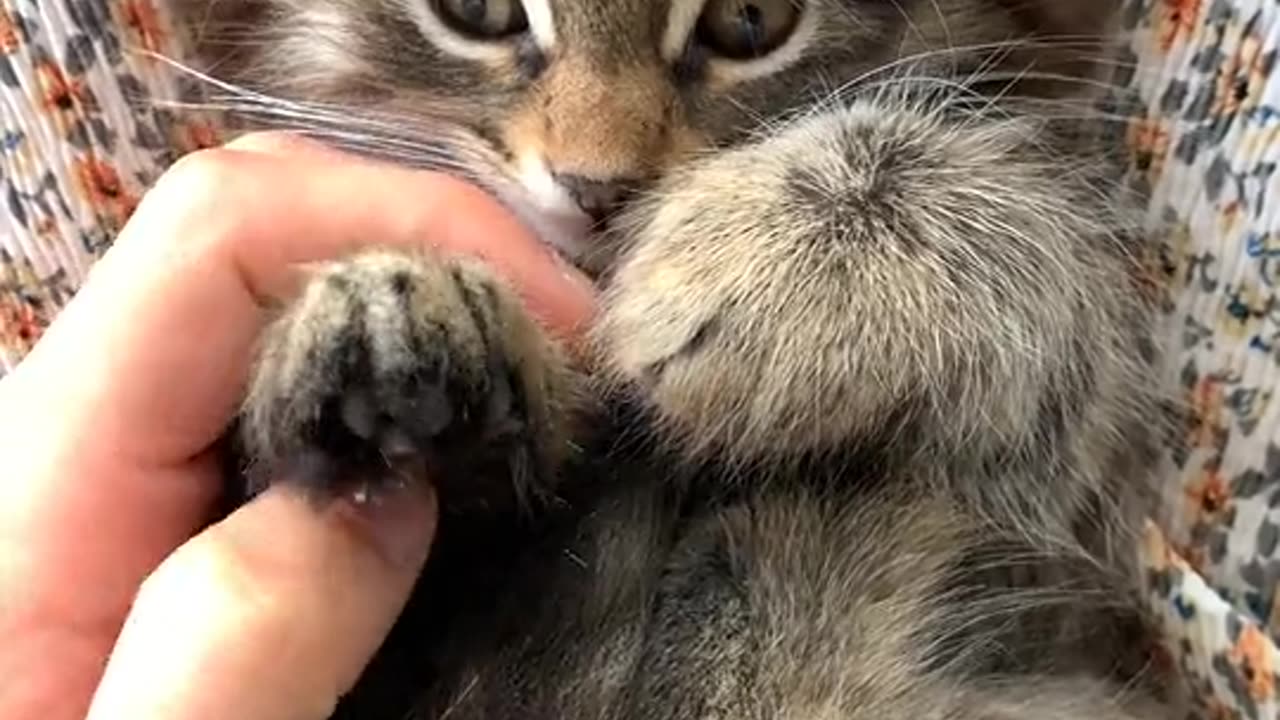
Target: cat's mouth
{"type": "Point", "coordinates": [569, 234]}
{"type": "Point", "coordinates": [576, 237]}
{"type": "Point", "coordinates": [569, 214]}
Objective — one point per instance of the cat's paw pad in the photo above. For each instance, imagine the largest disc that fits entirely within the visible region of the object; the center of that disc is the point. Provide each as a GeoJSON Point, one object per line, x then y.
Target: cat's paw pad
{"type": "Point", "coordinates": [387, 360]}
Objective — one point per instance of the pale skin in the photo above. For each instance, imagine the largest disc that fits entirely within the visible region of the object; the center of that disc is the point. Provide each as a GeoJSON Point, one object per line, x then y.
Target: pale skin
{"type": "Point", "coordinates": [115, 604]}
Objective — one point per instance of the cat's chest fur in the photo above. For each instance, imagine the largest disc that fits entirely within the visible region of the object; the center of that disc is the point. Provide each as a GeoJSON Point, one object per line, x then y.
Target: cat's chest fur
{"type": "Point", "coordinates": [638, 599]}
{"type": "Point", "coordinates": [631, 601]}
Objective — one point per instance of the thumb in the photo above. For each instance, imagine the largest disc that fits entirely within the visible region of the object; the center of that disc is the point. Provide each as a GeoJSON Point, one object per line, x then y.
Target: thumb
{"type": "Point", "coordinates": [271, 614]}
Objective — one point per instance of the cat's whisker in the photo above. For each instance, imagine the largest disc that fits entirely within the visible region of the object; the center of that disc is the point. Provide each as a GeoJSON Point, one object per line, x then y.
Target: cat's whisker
{"type": "Point", "coordinates": [1030, 74]}
{"type": "Point", "coordinates": [912, 26]}
{"type": "Point", "coordinates": [382, 136]}
{"type": "Point", "coordinates": [988, 51]}
{"type": "Point", "coordinates": [350, 136]}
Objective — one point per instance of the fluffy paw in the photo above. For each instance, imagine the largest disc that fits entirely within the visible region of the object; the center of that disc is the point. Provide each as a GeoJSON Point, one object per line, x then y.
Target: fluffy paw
{"type": "Point", "coordinates": [826, 289]}
{"type": "Point", "coordinates": [387, 360]}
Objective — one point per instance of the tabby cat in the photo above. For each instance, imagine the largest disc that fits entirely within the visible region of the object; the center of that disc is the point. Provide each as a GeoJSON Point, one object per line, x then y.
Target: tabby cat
{"type": "Point", "coordinates": [864, 429]}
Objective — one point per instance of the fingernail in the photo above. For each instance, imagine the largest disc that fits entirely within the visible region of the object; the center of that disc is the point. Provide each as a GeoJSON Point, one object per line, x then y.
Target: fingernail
{"type": "Point", "coordinates": [398, 516]}
{"type": "Point", "coordinates": [576, 295]}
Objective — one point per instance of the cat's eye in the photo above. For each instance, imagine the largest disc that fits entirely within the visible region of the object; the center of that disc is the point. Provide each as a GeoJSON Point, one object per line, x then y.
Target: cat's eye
{"type": "Point", "coordinates": [747, 29]}
{"type": "Point", "coordinates": [484, 19]}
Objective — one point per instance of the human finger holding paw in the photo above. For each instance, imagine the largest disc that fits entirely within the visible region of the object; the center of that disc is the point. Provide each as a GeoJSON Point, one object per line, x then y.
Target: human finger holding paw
{"type": "Point", "coordinates": [110, 431]}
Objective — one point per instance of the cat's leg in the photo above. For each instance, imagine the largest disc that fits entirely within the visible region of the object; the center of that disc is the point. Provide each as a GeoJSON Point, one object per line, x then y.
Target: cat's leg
{"type": "Point", "coordinates": [388, 358]}
{"type": "Point", "coordinates": [955, 291]}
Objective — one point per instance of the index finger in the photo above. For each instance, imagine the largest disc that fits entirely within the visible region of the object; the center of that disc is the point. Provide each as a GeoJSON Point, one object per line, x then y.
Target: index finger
{"type": "Point", "coordinates": [218, 236]}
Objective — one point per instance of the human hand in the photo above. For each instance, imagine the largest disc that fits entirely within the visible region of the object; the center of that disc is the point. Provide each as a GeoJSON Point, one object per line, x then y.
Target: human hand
{"type": "Point", "coordinates": [107, 429]}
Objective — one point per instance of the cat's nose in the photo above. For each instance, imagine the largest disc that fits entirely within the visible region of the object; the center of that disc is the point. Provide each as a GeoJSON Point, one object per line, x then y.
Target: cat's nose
{"type": "Point", "coordinates": [597, 198]}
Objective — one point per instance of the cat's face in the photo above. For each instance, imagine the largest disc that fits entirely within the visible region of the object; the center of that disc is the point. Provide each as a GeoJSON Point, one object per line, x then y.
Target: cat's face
{"type": "Point", "coordinates": [572, 105]}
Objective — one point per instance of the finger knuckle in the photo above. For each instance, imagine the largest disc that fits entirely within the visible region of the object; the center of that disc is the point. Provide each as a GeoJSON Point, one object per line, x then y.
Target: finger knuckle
{"type": "Point", "coordinates": [202, 176]}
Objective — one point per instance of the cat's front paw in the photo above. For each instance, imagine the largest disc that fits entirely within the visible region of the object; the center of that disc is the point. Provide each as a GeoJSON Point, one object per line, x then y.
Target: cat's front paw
{"type": "Point", "coordinates": [870, 277]}
{"type": "Point", "coordinates": [387, 359]}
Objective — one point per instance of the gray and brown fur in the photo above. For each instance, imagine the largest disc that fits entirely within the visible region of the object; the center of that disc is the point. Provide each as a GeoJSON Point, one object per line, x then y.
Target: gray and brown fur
{"type": "Point", "coordinates": [869, 423]}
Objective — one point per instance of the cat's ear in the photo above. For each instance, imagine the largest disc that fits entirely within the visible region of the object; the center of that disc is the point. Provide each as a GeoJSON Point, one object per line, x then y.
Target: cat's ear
{"type": "Point", "coordinates": [221, 36]}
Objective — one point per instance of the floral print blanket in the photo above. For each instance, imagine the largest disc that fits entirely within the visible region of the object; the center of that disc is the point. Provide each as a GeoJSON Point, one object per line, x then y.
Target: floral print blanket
{"type": "Point", "coordinates": [86, 125]}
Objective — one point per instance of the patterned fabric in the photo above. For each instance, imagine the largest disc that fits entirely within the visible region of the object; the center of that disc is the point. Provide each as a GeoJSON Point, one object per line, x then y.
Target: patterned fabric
{"type": "Point", "coordinates": [85, 130]}
{"type": "Point", "coordinates": [1206, 138]}
{"type": "Point", "coordinates": [82, 135]}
